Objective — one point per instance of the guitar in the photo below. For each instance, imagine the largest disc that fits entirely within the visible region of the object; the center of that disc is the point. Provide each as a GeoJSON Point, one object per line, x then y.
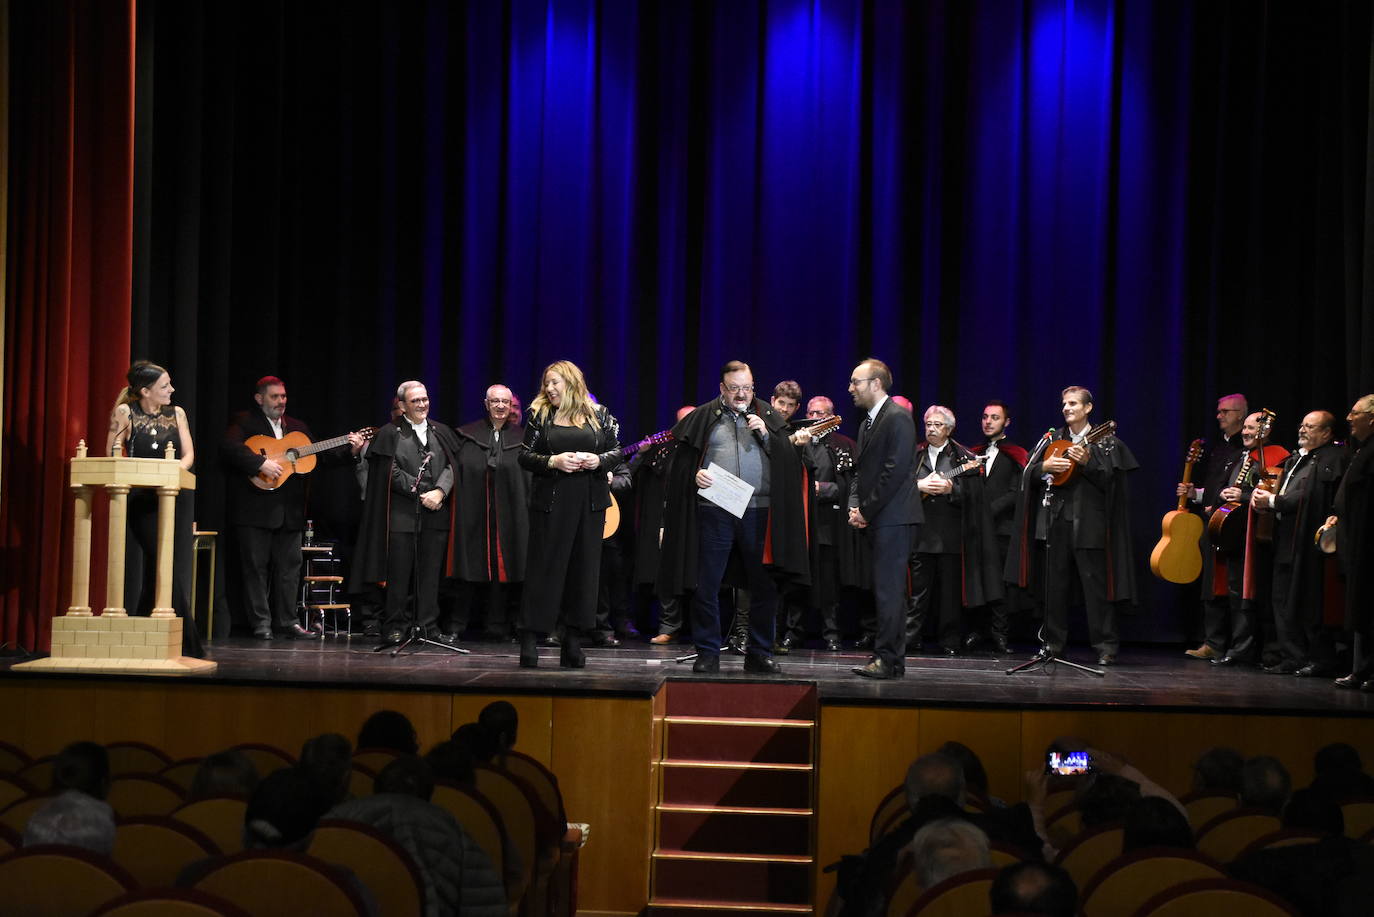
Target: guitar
{"type": "Point", "coordinates": [1269, 482]}
{"type": "Point", "coordinates": [653, 439]}
{"type": "Point", "coordinates": [1226, 527]}
{"type": "Point", "coordinates": [295, 453]}
{"type": "Point", "coordinates": [1057, 449]}
{"type": "Point", "coordinates": [972, 465]}
{"type": "Point", "coordinates": [1177, 557]}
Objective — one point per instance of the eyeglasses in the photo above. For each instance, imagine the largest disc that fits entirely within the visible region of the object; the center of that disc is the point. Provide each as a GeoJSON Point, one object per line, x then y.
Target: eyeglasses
{"type": "Point", "coordinates": [417, 401]}
{"type": "Point", "coordinates": [1229, 411]}
{"type": "Point", "coordinates": [817, 413]}
{"type": "Point", "coordinates": [854, 383]}
{"type": "Point", "coordinates": [736, 389]}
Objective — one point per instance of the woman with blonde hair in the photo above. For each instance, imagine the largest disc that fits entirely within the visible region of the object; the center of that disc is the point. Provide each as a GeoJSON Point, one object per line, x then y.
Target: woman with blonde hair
{"type": "Point", "coordinates": [142, 425]}
{"type": "Point", "coordinates": [571, 445]}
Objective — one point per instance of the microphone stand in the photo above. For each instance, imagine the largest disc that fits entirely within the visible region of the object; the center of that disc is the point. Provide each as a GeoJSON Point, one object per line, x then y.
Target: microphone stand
{"type": "Point", "coordinates": [414, 633]}
{"type": "Point", "coordinates": [1045, 660]}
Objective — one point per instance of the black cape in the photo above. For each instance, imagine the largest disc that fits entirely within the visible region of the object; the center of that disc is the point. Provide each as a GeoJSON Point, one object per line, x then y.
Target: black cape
{"type": "Point", "coordinates": [504, 509]}
{"type": "Point", "coordinates": [785, 550]}
{"type": "Point", "coordinates": [1354, 540]}
{"type": "Point", "coordinates": [980, 560]}
{"type": "Point", "coordinates": [374, 529]}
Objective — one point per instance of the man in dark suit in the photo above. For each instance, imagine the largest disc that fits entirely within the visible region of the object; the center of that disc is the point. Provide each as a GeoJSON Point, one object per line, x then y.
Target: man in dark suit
{"type": "Point", "coordinates": [408, 519]}
{"type": "Point", "coordinates": [268, 523]}
{"type": "Point", "coordinates": [1353, 512]}
{"type": "Point", "coordinates": [883, 500]}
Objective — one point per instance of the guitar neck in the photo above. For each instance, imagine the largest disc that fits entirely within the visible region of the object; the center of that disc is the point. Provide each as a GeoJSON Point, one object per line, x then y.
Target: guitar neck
{"type": "Point", "coordinates": [325, 445]}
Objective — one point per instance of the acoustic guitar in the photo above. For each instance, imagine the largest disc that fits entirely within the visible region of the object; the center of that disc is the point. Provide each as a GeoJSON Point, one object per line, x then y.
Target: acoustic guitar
{"type": "Point", "coordinates": [1226, 527]}
{"type": "Point", "coordinates": [295, 453]}
{"type": "Point", "coordinates": [1057, 449]}
{"type": "Point", "coordinates": [972, 465]}
{"type": "Point", "coordinates": [1269, 482]}
{"type": "Point", "coordinates": [1177, 558]}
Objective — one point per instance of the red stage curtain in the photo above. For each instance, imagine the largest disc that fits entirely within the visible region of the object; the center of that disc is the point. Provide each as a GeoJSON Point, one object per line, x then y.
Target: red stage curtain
{"type": "Point", "coordinates": [67, 286]}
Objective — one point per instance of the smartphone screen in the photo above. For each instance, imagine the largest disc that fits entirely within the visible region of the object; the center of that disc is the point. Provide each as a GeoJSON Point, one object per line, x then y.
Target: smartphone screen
{"type": "Point", "coordinates": [1068, 764]}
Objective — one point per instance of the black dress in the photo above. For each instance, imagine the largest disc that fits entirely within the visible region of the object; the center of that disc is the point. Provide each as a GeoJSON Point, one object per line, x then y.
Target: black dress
{"type": "Point", "coordinates": [567, 519]}
{"type": "Point", "coordinates": [149, 435]}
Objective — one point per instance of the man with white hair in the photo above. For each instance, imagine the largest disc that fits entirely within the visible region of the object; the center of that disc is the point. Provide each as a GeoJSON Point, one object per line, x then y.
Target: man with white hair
{"type": "Point", "coordinates": [408, 517]}
{"type": "Point", "coordinates": [947, 847]}
{"type": "Point", "coordinates": [76, 819]}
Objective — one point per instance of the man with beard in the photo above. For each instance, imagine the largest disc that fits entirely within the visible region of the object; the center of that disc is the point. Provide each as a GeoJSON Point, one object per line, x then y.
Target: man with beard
{"type": "Point", "coordinates": [268, 523]}
{"type": "Point", "coordinates": [408, 519]}
{"type": "Point", "coordinates": [492, 503]}
{"type": "Point", "coordinates": [884, 503]}
{"type": "Point", "coordinates": [1081, 527]}
{"type": "Point", "coordinates": [1002, 482]}
{"type": "Point", "coordinates": [1354, 511]}
{"type": "Point", "coordinates": [745, 436]}
{"type": "Point", "coordinates": [1305, 495]}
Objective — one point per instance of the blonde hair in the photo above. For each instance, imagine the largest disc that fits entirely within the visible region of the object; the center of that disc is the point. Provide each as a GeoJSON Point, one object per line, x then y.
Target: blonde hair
{"type": "Point", "coordinates": [577, 405]}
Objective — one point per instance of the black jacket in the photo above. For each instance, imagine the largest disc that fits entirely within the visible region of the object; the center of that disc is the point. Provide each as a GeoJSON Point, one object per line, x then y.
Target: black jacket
{"type": "Point", "coordinates": [883, 486]}
{"type": "Point", "coordinates": [535, 455]}
{"type": "Point", "coordinates": [500, 510]}
{"type": "Point", "coordinates": [282, 508]}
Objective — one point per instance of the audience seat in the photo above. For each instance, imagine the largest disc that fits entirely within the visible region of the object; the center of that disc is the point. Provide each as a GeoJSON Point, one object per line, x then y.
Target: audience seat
{"type": "Point", "coordinates": [1213, 898]}
{"type": "Point", "coordinates": [277, 883]}
{"type": "Point", "coordinates": [13, 759]}
{"type": "Point", "coordinates": [1059, 800]}
{"type": "Point", "coordinates": [516, 814]}
{"type": "Point", "coordinates": [14, 788]}
{"type": "Point", "coordinates": [170, 902]}
{"type": "Point", "coordinates": [219, 818]}
{"type": "Point", "coordinates": [38, 772]}
{"type": "Point", "coordinates": [1224, 837]}
{"type": "Point", "coordinates": [1204, 806]}
{"type": "Point", "coordinates": [154, 849]}
{"type": "Point", "coordinates": [1359, 816]}
{"type": "Point", "coordinates": [266, 758]}
{"type": "Point", "coordinates": [10, 839]}
{"type": "Point", "coordinates": [1064, 825]}
{"type": "Point", "coordinates": [55, 880]}
{"type": "Point", "coordinates": [1004, 854]}
{"type": "Point", "coordinates": [182, 773]}
{"type": "Point", "coordinates": [17, 814]}
{"type": "Point", "coordinates": [1090, 851]}
{"type": "Point", "coordinates": [1124, 884]}
{"type": "Point", "coordinates": [958, 896]}
{"type": "Point", "coordinates": [136, 758]}
{"type": "Point", "coordinates": [144, 794]}
{"type": "Point", "coordinates": [892, 806]}
{"type": "Point", "coordinates": [541, 779]}
{"type": "Point", "coordinates": [374, 759]}
{"type": "Point", "coordinates": [482, 823]}
{"type": "Point", "coordinates": [361, 780]}
{"type": "Point", "coordinates": [378, 861]}
{"type": "Point", "coordinates": [1285, 837]}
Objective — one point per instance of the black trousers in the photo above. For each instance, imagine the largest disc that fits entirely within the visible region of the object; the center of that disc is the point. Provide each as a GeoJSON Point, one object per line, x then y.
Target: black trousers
{"type": "Point", "coordinates": [1228, 622]}
{"type": "Point", "coordinates": [1298, 616]}
{"type": "Point", "coordinates": [1063, 564]}
{"type": "Point", "coordinates": [563, 563]}
{"type": "Point", "coordinates": [937, 578]}
{"type": "Point", "coordinates": [891, 550]}
{"type": "Point", "coordinates": [270, 563]}
{"type": "Point", "coordinates": [402, 560]}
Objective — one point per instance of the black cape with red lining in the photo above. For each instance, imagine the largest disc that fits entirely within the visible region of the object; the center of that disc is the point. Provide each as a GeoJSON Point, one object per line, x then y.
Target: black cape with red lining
{"type": "Point", "coordinates": [505, 507]}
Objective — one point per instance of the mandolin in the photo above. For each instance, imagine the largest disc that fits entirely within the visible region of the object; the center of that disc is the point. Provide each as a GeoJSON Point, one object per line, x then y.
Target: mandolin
{"type": "Point", "coordinates": [974, 464]}
{"type": "Point", "coordinates": [295, 453]}
{"type": "Point", "coordinates": [1177, 558]}
{"type": "Point", "coordinates": [1226, 527]}
{"type": "Point", "coordinates": [1057, 449]}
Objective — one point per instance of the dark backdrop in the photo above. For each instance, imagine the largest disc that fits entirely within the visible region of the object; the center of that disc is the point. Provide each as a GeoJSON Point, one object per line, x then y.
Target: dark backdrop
{"type": "Point", "coordinates": [1164, 202]}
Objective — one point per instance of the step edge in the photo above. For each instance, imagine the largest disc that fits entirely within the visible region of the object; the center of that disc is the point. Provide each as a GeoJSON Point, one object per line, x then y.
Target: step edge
{"type": "Point", "coordinates": [704, 809]}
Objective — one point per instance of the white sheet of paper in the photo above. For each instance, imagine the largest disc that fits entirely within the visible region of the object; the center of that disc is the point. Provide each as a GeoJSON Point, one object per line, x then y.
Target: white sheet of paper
{"type": "Point", "coordinates": [730, 492]}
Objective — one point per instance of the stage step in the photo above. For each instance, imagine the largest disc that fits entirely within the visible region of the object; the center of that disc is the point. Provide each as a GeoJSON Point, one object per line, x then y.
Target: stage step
{"type": "Point", "coordinates": [735, 816]}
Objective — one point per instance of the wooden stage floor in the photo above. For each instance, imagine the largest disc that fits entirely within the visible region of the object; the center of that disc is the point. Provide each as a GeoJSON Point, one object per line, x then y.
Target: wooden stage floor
{"type": "Point", "coordinates": [1146, 678]}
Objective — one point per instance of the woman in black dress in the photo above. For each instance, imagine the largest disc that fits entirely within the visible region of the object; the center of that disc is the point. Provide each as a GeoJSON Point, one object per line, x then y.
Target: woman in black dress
{"type": "Point", "coordinates": [571, 444]}
{"type": "Point", "coordinates": [142, 424]}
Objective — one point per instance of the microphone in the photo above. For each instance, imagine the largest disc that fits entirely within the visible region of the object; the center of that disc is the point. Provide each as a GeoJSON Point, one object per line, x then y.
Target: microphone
{"type": "Point", "coordinates": [420, 472]}
{"type": "Point", "coordinates": [749, 412]}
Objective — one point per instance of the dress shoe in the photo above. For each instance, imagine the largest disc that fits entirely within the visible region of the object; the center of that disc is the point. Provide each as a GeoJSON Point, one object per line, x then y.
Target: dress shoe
{"type": "Point", "coordinates": [529, 650]}
{"type": "Point", "coordinates": [973, 641]}
{"type": "Point", "coordinates": [1351, 682]}
{"type": "Point", "coordinates": [1230, 661]}
{"type": "Point", "coordinates": [661, 639]}
{"type": "Point", "coordinates": [262, 635]}
{"type": "Point", "coordinates": [999, 645]}
{"type": "Point", "coordinates": [784, 646]}
{"type": "Point", "coordinates": [1313, 670]}
{"type": "Point", "coordinates": [1106, 659]}
{"type": "Point", "coordinates": [296, 632]}
{"type": "Point", "coordinates": [879, 669]}
{"type": "Point", "coordinates": [444, 637]}
{"type": "Point", "coordinates": [372, 629]}
{"type": "Point", "coordinates": [607, 640]}
{"type": "Point", "coordinates": [1202, 652]}
{"type": "Point", "coordinates": [761, 665]}
{"type": "Point", "coordinates": [570, 656]}
{"type": "Point", "coordinates": [832, 646]}
{"type": "Point", "coordinates": [736, 644]}
{"type": "Point", "coordinates": [1280, 668]}
{"type": "Point", "coordinates": [552, 640]}
{"type": "Point", "coordinates": [864, 643]}
{"type": "Point", "coordinates": [394, 636]}
{"type": "Point", "coordinates": [706, 664]}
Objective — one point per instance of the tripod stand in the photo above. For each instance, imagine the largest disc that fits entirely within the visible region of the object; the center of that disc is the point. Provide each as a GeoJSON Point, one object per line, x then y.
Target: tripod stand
{"type": "Point", "coordinates": [734, 617]}
{"type": "Point", "coordinates": [414, 633]}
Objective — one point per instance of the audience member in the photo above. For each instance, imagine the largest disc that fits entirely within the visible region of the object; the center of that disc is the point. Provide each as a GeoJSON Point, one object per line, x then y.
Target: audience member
{"type": "Point", "coordinates": [975, 776]}
{"type": "Point", "coordinates": [76, 818]}
{"type": "Point", "coordinates": [1217, 770]}
{"type": "Point", "coordinates": [450, 761]}
{"type": "Point", "coordinates": [1105, 798]}
{"type": "Point", "coordinates": [501, 720]}
{"type": "Point", "coordinates": [1034, 888]}
{"type": "Point", "coordinates": [947, 847]}
{"type": "Point", "coordinates": [1153, 822]}
{"type": "Point", "coordinates": [283, 811]}
{"type": "Point", "coordinates": [407, 775]}
{"type": "Point", "coordinates": [82, 766]}
{"type": "Point", "coordinates": [225, 773]}
{"type": "Point", "coordinates": [391, 730]}
{"type": "Point", "coordinates": [328, 759]}
{"type": "Point", "coordinates": [481, 743]}
{"type": "Point", "coordinates": [1340, 773]}
{"type": "Point", "coordinates": [1265, 784]}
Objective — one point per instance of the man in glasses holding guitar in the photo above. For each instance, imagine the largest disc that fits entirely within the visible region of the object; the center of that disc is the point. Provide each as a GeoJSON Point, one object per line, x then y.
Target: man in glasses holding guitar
{"type": "Point", "coordinates": [266, 452]}
{"type": "Point", "coordinates": [1074, 504]}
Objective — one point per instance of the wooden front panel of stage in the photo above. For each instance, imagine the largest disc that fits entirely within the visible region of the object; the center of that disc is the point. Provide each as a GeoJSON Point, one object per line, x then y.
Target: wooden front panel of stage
{"type": "Point", "coordinates": [604, 749]}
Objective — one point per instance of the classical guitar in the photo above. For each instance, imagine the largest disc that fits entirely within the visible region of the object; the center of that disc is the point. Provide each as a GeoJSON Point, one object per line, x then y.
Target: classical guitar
{"type": "Point", "coordinates": [295, 453]}
{"type": "Point", "coordinates": [1177, 558]}
{"type": "Point", "coordinates": [1269, 482]}
{"type": "Point", "coordinates": [1057, 449]}
{"type": "Point", "coordinates": [653, 439]}
{"type": "Point", "coordinates": [973, 465]}
{"type": "Point", "coordinates": [1226, 527]}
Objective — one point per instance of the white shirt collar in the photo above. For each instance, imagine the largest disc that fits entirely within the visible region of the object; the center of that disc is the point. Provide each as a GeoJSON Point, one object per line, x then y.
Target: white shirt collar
{"type": "Point", "coordinates": [274, 424]}
{"type": "Point", "coordinates": [873, 411]}
{"type": "Point", "coordinates": [421, 429]}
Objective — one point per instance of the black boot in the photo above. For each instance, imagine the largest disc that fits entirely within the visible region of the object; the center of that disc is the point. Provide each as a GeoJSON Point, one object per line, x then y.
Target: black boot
{"type": "Point", "coordinates": [570, 655]}
{"type": "Point", "coordinates": [739, 634]}
{"type": "Point", "coordinates": [529, 650]}
{"type": "Point", "coordinates": [915, 623]}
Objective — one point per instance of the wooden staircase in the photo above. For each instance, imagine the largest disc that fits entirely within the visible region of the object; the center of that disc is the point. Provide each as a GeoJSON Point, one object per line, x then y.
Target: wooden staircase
{"type": "Point", "coordinates": [735, 823]}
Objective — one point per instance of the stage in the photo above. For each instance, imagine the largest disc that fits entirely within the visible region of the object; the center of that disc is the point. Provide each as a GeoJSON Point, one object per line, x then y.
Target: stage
{"type": "Point", "coordinates": [608, 730]}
